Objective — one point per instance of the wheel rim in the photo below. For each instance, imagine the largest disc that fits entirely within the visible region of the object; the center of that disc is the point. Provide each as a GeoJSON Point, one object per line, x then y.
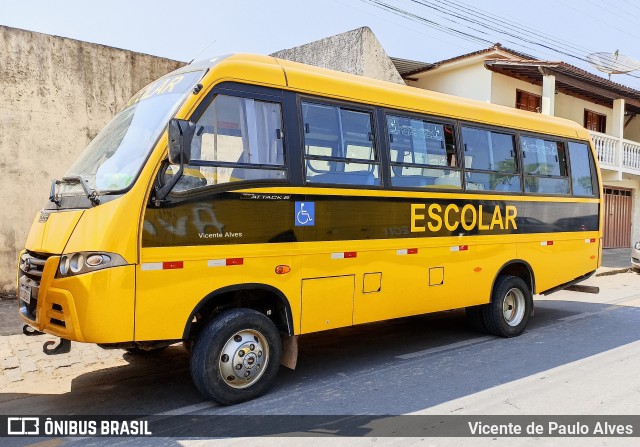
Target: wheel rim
{"type": "Point", "coordinates": [244, 358]}
{"type": "Point", "coordinates": [513, 307]}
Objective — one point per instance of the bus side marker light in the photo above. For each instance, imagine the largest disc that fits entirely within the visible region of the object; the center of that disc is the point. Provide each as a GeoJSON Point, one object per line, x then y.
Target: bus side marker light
{"type": "Point", "coordinates": [282, 269]}
{"type": "Point", "coordinates": [407, 251]}
{"type": "Point", "coordinates": [344, 255]}
{"type": "Point", "coordinates": [545, 243]}
{"type": "Point", "coordinates": [477, 269]}
{"type": "Point", "coordinates": [460, 248]}
{"type": "Point", "coordinates": [593, 256]}
{"type": "Point", "coordinates": [590, 241]}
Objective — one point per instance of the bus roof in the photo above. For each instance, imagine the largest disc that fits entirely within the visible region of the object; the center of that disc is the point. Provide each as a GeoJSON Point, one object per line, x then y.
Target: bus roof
{"type": "Point", "coordinates": [307, 79]}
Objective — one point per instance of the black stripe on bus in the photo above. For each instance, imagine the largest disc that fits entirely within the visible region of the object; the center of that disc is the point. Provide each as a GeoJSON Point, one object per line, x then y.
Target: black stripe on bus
{"type": "Point", "coordinates": [241, 218]}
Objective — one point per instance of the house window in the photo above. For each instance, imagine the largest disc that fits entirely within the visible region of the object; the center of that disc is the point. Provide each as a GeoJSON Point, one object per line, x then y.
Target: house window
{"type": "Point", "coordinates": [528, 101]}
{"type": "Point", "coordinates": [595, 121]}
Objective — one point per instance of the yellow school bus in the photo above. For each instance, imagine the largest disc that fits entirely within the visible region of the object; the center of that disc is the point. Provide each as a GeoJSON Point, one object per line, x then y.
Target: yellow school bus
{"type": "Point", "coordinates": [238, 203]}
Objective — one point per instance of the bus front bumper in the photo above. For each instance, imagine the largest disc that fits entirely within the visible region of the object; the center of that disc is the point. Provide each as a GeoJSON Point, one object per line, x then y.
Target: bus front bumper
{"type": "Point", "coordinates": [95, 307]}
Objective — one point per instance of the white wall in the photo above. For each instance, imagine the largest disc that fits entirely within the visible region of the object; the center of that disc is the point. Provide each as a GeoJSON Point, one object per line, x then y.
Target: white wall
{"type": "Point", "coordinates": [503, 89]}
{"type": "Point", "coordinates": [466, 80]}
{"type": "Point", "coordinates": [572, 108]}
{"type": "Point", "coordinates": [632, 131]}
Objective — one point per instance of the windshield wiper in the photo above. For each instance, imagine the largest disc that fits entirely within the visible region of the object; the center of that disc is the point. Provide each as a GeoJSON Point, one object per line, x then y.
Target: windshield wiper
{"type": "Point", "coordinates": [92, 194]}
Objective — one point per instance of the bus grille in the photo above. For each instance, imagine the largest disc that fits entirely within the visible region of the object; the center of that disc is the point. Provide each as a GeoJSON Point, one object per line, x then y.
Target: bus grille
{"type": "Point", "coordinates": [31, 268]}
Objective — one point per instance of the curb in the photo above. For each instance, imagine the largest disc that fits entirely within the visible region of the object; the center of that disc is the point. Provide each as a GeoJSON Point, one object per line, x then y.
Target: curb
{"type": "Point", "coordinates": [614, 272]}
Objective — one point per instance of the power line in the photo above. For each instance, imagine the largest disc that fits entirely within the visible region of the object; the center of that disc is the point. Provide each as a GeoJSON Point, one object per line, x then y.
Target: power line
{"type": "Point", "coordinates": [534, 38]}
{"type": "Point", "coordinates": [502, 20]}
{"type": "Point", "coordinates": [623, 16]}
{"type": "Point", "coordinates": [403, 26]}
{"type": "Point", "coordinates": [631, 4]}
{"type": "Point", "coordinates": [474, 19]}
{"type": "Point", "coordinates": [598, 19]}
{"type": "Point", "coordinates": [425, 21]}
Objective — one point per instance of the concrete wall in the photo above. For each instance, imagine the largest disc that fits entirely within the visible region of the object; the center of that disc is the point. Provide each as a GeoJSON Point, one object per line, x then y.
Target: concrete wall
{"type": "Point", "coordinates": [55, 95]}
{"type": "Point", "coordinates": [357, 52]}
{"type": "Point", "coordinates": [467, 80]}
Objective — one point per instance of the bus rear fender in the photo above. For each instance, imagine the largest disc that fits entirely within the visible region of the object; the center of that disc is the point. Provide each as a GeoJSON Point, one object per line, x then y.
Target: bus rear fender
{"type": "Point", "coordinates": [519, 268]}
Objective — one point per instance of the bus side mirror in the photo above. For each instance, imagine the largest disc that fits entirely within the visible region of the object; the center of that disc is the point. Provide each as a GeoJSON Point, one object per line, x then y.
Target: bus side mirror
{"type": "Point", "coordinates": [180, 136]}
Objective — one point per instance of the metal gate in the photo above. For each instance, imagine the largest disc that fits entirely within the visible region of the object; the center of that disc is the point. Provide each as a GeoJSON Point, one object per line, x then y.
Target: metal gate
{"type": "Point", "coordinates": [617, 218]}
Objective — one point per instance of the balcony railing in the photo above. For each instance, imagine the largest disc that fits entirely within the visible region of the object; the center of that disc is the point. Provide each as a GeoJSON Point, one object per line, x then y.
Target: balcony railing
{"type": "Point", "coordinates": [631, 154]}
{"type": "Point", "coordinates": [607, 147]}
{"type": "Point", "coordinates": [617, 153]}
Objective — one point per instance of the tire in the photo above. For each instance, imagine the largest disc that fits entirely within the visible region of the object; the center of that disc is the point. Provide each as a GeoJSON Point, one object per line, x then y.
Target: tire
{"type": "Point", "coordinates": [508, 312]}
{"type": "Point", "coordinates": [474, 318]}
{"type": "Point", "coordinates": [236, 357]}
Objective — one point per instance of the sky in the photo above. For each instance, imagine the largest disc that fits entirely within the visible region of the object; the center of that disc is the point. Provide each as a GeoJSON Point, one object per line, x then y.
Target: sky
{"type": "Point", "coordinates": [555, 30]}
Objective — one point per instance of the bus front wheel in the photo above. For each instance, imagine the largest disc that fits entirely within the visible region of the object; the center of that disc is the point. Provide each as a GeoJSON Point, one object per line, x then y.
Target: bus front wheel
{"type": "Point", "coordinates": [236, 357]}
{"type": "Point", "coordinates": [508, 312]}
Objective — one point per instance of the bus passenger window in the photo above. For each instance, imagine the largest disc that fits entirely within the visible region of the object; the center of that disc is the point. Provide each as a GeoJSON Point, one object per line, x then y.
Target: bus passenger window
{"type": "Point", "coordinates": [582, 169]}
{"type": "Point", "coordinates": [422, 154]}
{"type": "Point", "coordinates": [236, 139]}
{"type": "Point", "coordinates": [339, 146]}
{"type": "Point", "coordinates": [490, 160]}
{"type": "Point", "coordinates": [545, 166]}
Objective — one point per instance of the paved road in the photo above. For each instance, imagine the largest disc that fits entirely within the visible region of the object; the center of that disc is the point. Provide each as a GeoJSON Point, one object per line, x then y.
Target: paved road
{"type": "Point", "coordinates": [616, 257]}
{"type": "Point", "coordinates": [580, 355]}
{"type": "Point", "coordinates": [9, 321]}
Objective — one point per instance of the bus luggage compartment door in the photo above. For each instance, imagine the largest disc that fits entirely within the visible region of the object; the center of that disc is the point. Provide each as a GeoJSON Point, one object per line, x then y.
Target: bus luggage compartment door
{"type": "Point", "coordinates": [327, 303]}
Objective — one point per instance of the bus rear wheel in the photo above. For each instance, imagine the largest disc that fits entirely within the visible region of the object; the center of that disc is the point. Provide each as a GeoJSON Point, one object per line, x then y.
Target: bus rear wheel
{"type": "Point", "coordinates": [508, 312]}
{"type": "Point", "coordinates": [236, 357]}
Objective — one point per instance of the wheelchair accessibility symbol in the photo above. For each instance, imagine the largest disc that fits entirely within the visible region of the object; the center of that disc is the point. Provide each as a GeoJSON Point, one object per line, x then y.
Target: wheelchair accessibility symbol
{"type": "Point", "coordinates": [305, 214]}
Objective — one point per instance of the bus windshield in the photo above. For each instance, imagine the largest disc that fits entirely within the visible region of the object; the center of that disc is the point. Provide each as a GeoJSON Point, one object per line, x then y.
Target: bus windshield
{"type": "Point", "coordinates": [112, 161]}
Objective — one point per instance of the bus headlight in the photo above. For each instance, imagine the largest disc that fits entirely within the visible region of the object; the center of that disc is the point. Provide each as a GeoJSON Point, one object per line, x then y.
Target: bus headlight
{"type": "Point", "coordinates": [83, 262]}
{"type": "Point", "coordinates": [637, 246]}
